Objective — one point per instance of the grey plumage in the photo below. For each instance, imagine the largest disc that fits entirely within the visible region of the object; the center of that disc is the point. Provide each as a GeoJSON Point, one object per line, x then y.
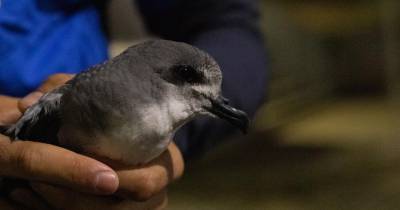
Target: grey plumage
{"type": "Point", "coordinates": [128, 108]}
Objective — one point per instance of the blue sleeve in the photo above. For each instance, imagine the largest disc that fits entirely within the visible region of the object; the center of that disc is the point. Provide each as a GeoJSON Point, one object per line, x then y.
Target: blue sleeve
{"type": "Point", "coordinates": [42, 37]}
{"type": "Point", "coordinates": [229, 31]}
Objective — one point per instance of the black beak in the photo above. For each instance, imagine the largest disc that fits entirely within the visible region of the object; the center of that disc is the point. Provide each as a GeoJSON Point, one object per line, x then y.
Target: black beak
{"type": "Point", "coordinates": [223, 110]}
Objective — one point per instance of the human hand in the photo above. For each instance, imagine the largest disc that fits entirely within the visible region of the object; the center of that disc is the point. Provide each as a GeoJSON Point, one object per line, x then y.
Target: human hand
{"type": "Point", "coordinates": [11, 108]}
{"type": "Point", "coordinates": [8, 205]}
{"type": "Point", "coordinates": [36, 161]}
{"type": "Point", "coordinates": [141, 183]}
{"type": "Point", "coordinates": [147, 182]}
{"type": "Point", "coordinates": [9, 111]}
{"type": "Point", "coordinates": [170, 163]}
{"type": "Point", "coordinates": [54, 81]}
{"type": "Point", "coordinates": [62, 199]}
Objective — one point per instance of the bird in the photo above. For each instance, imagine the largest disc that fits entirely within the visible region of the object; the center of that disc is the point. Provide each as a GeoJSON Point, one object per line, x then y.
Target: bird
{"type": "Point", "coordinates": [128, 108]}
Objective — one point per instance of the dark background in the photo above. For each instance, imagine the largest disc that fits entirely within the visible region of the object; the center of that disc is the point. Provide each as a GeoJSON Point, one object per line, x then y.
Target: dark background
{"type": "Point", "coordinates": [328, 136]}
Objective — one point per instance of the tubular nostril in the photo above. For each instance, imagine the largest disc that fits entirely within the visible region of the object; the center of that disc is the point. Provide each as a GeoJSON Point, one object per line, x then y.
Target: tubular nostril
{"type": "Point", "coordinates": [224, 100]}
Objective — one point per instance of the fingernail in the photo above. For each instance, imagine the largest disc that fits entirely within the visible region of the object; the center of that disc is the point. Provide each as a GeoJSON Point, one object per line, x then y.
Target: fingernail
{"type": "Point", "coordinates": [106, 182]}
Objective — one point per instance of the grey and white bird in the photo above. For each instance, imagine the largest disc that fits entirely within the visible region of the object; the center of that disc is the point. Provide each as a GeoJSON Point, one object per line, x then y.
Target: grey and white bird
{"type": "Point", "coordinates": [128, 108]}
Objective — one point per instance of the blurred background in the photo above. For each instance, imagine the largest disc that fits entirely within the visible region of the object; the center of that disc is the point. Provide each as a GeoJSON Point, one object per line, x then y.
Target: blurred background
{"type": "Point", "coordinates": [328, 136]}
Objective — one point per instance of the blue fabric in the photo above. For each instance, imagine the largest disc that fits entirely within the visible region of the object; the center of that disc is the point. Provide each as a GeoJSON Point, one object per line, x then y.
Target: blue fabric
{"type": "Point", "coordinates": [42, 37]}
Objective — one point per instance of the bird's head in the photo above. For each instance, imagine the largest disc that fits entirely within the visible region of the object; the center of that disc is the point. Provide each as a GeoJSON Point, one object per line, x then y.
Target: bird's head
{"type": "Point", "coordinates": [192, 77]}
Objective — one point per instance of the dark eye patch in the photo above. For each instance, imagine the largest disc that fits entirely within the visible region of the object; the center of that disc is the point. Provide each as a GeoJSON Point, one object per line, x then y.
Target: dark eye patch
{"type": "Point", "coordinates": [188, 74]}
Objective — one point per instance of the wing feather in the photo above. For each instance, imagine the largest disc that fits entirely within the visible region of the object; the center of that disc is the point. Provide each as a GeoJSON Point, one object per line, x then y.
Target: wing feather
{"type": "Point", "coordinates": [41, 121]}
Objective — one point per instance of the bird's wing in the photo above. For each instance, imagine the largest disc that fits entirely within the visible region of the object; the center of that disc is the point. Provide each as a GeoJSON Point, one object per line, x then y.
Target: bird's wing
{"type": "Point", "coordinates": [41, 121]}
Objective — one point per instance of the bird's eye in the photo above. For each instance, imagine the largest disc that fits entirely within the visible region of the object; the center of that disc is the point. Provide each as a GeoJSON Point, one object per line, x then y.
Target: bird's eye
{"type": "Point", "coordinates": [188, 74]}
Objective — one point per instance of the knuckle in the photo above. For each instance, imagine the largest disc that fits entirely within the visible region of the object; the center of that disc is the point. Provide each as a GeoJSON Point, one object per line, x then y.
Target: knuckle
{"type": "Point", "coordinates": [76, 163]}
{"type": "Point", "coordinates": [4, 147]}
{"type": "Point", "coordinates": [143, 195]}
{"type": "Point", "coordinates": [4, 158]}
{"type": "Point", "coordinates": [149, 185]}
{"type": "Point", "coordinates": [25, 158]}
{"type": "Point", "coordinates": [76, 166]}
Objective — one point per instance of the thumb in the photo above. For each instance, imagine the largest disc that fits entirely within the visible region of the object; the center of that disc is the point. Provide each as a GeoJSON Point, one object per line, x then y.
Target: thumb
{"type": "Point", "coordinates": [36, 161]}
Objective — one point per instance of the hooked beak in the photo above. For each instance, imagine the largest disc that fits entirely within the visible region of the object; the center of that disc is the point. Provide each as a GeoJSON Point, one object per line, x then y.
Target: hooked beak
{"type": "Point", "coordinates": [223, 110]}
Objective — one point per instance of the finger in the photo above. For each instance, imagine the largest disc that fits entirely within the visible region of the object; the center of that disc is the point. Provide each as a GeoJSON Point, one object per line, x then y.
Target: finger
{"type": "Point", "coordinates": [178, 166]}
{"type": "Point", "coordinates": [144, 182]}
{"type": "Point", "coordinates": [29, 199]}
{"type": "Point", "coordinates": [7, 205]}
{"type": "Point", "coordinates": [52, 164]}
{"type": "Point", "coordinates": [29, 100]}
{"type": "Point", "coordinates": [9, 112]}
{"type": "Point", "coordinates": [54, 81]}
{"type": "Point", "coordinates": [66, 199]}
{"type": "Point", "coordinates": [61, 198]}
